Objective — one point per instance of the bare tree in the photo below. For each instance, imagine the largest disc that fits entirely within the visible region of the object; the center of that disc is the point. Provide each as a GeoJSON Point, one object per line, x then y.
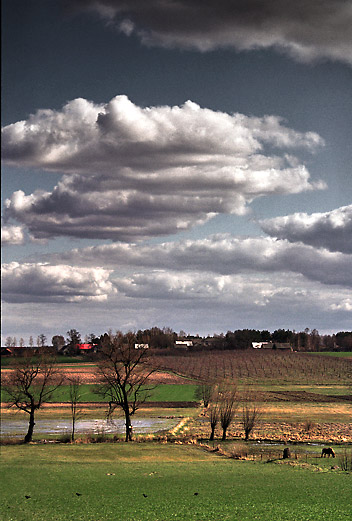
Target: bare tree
{"type": "Point", "coordinates": [124, 373]}
{"type": "Point", "coordinates": [32, 383]}
{"type": "Point", "coordinates": [204, 392]}
{"type": "Point", "coordinates": [58, 342]}
{"type": "Point", "coordinates": [250, 415]}
{"type": "Point", "coordinates": [227, 405]}
{"type": "Point", "coordinates": [21, 342]}
{"type": "Point", "coordinates": [31, 341]}
{"type": "Point", "coordinates": [75, 402]}
{"type": "Point", "coordinates": [42, 340]}
{"type": "Point", "coordinates": [222, 407]}
{"type": "Point", "coordinates": [8, 341]}
{"type": "Point", "coordinates": [73, 337]}
{"type": "Point", "coordinates": [214, 417]}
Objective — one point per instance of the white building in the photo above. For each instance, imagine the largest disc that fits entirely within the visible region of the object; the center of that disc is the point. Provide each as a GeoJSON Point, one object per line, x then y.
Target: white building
{"type": "Point", "coordinates": [141, 346]}
{"type": "Point", "coordinates": [262, 345]}
{"type": "Point", "coordinates": [184, 343]}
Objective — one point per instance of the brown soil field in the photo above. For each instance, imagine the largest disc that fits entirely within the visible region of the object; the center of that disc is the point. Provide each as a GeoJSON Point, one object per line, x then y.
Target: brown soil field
{"type": "Point", "coordinates": [87, 374]}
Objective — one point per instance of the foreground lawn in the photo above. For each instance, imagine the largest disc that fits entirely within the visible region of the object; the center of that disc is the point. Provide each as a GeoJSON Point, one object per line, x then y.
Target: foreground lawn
{"type": "Point", "coordinates": [140, 482]}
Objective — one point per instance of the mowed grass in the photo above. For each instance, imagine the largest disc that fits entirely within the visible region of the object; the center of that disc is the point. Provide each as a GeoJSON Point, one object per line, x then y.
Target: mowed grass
{"type": "Point", "coordinates": [180, 483]}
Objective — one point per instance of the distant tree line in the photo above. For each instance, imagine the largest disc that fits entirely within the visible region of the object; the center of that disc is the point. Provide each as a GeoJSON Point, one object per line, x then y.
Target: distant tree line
{"type": "Point", "coordinates": [165, 338]}
{"type": "Point", "coordinates": [307, 340]}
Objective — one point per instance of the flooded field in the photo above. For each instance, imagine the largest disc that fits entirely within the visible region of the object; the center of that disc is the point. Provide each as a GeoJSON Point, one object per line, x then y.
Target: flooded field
{"type": "Point", "coordinates": [19, 427]}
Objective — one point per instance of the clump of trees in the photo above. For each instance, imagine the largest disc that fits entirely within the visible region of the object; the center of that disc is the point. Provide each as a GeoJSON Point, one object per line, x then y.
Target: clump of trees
{"type": "Point", "coordinates": [223, 402]}
{"type": "Point", "coordinates": [240, 339]}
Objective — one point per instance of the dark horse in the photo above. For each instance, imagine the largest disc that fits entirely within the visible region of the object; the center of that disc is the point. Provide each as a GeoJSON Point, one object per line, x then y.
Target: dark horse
{"type": "Point", "coordinates": [327, 452]}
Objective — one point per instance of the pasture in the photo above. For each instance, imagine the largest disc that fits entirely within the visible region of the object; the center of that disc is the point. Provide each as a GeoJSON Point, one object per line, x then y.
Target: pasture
{"type": "Point", "coordinates": [162, 482]}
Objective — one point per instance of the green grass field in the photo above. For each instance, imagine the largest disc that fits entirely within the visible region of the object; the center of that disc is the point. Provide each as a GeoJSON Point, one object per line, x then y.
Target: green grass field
{"type": "Point", "coordinates": [186, 392]}
{"type": "Point", "coordinates": [162, 393]}
{"type": "Point", "coordinates": [338, 354]}
{"type": "Point", "coordinates": [181, 483]}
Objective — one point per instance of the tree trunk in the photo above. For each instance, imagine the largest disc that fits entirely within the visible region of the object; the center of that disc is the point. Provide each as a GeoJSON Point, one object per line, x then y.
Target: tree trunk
{"type": "Point", "coordinates": [29, 434]}
{"type": "Point", "coordinates": [73, 429]}
{"type": "Point", "coordinates": [212, 434]}
{"type": "Point", "coordinates": [128, 427]}
{"type": "Point", "coordinates": [223, 434]}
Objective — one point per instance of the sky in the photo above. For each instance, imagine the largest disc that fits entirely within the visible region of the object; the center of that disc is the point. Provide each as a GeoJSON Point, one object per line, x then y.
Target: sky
{"type": "Point", "coordinates": [176, 164]}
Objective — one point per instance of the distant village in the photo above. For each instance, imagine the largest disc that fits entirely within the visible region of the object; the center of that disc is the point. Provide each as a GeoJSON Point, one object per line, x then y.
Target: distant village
{"type": "Point", "coordinates": [166, 339]}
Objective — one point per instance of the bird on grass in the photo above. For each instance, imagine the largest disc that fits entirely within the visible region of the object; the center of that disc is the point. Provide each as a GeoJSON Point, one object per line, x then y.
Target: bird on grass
{"type": "Point", "coordinates": [145, 495]}
{"type": "Point", "coordinates": [196, 493]}
{"type": "Point", "coordinates": [78, 494]}
{"type": "Point", "coordinates": [27, 497]}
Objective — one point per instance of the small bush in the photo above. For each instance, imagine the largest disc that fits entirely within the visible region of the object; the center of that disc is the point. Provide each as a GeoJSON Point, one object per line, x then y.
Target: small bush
{"type": "Point", "coordinates": [64, 438]}
{"type": "Point", "coordinates": [239, 451]}
{"type": "Point", "coordinates": [98, 437]}
{"type": "Point", "coordinates": [308, 426]}
{"type": "Point", "coordinates": [8, 440]}
{"type": "Point", "coordinates": [345, 461]}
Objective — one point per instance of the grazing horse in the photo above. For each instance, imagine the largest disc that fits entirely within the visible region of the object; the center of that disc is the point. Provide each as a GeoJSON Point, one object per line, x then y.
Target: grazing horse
{"type": "Point", "coordinates": [327, 452]}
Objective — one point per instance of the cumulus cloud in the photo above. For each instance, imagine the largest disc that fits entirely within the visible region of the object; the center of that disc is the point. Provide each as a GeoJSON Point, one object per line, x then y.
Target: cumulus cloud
{"type": "Point", "coordinates": [331, 230]}
{"type": "Point", "coordinates": [251, 298]}
{"type": "Point", "coordinates": [133, 172]}
{"type": "Point", "coordinates": [305, 29]}
{"type": "Point", "coordinates": [12, 235]}
{"type": "Point", "coordinates": [224, 254]}
{"type": "Point", "coordinates": [33, 282]}
{"type": "Point", "coordinates": [88, 138]}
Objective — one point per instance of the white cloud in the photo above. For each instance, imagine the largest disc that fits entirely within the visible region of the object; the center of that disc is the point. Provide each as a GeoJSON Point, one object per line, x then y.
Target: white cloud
{"type": "Point", "coordinates": [331, 230]}
{"type": "Point", "coordinates": [343, 305]}
{"type": "Point", "coordinates": [29, 282]}
{"type": "Point", "coordinates": [251, 290]}
{"type": "Point", "coordinates": [305, 29]}
{"type": "Point", "coordinates": [197, 302]}
{"type": "Point", "coordinates": [12, 235]}
{"type": "Point", "coordinates": [224, 254]}
{"type": "Point", "coordinates": [88, 138]}
{"type": "Point", "coordinates": [200, 301]}
{"type": "Point", "coordinates": [136, 172]}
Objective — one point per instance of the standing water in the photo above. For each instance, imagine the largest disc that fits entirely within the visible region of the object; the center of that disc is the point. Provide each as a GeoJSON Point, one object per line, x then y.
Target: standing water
{"type": "Point", "coordinates": [59, 427]}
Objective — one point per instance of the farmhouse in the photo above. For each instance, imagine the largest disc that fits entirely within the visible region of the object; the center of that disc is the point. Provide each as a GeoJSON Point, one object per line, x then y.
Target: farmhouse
{"type": "Point", "coordinates": [84, 348]}
{"type": "Point", "coordinates": [282, 346]}
{"type": "Point", "coordinates": [183, 344]}
{"type": "Point", "coordinates": [141, 346]}
{"type": "Point", "coordinates": [17, 351]}
{"type": "Point", "coordinates": [262, 345]}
